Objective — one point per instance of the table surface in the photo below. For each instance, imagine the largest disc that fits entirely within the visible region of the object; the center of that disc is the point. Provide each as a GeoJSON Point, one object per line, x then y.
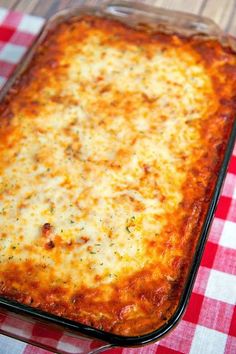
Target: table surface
{"type": "Point", "coordinates": [223, 12]}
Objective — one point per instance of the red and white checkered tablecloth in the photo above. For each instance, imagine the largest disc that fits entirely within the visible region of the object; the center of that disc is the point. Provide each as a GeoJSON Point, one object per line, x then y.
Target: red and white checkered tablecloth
{"type": "Point", "coordinates": [209, 324]}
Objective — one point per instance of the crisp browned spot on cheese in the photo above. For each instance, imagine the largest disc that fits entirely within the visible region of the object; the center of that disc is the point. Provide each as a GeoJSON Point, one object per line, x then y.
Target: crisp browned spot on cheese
{"type": "Point", "coordinates": [110, 145]}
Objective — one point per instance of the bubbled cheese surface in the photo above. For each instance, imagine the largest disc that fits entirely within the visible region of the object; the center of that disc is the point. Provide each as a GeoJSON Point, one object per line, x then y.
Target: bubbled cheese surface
{"type": "Point", "coordinates": [100, 152]}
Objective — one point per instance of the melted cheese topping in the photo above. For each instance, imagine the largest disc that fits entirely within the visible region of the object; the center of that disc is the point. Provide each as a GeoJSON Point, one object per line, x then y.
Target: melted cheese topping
{"type": "Point", "coordinates": [95, 167]}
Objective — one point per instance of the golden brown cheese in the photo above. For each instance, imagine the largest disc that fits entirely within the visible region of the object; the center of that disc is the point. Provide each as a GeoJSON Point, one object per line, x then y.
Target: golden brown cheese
{"type": "Point", "coordinates": [110, 145]}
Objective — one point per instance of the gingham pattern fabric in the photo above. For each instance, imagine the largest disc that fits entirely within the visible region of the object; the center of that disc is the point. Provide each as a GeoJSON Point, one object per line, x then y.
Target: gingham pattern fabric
{"type": "Point", "coordinates": [209, 324]}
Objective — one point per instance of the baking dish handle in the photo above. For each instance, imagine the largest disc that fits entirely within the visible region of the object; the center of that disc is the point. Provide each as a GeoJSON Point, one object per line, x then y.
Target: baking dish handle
{"type": "Point", "coordinates": [140, 12]}
{"type": "Point", "coordinates": [48, 337]}
{"type": "Point", "coordinates": [102, 349]}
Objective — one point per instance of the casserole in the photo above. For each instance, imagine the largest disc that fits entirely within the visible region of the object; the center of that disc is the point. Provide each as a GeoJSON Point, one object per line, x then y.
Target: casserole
{"type": "Point", "coordinates": [178, 141]}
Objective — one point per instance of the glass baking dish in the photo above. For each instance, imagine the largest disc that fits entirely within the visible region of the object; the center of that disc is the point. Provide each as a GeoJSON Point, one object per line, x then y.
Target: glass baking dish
{"type": "Point", "coordinates": [18, 320]}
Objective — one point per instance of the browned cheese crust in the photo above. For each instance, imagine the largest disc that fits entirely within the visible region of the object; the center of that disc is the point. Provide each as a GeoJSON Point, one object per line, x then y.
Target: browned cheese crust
{"type": "Point", "coordinates": [110, 146]}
